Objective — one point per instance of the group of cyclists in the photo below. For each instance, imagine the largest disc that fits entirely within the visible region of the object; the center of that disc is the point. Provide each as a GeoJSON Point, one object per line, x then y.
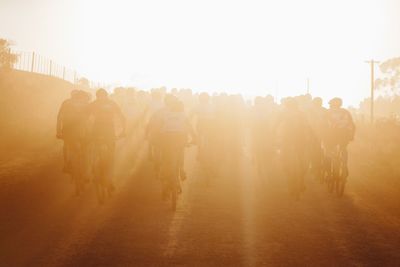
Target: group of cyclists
{"type": "Point", "coordinates": [89, 135]}
{"type": "Point", "coordinates": [300, 135]}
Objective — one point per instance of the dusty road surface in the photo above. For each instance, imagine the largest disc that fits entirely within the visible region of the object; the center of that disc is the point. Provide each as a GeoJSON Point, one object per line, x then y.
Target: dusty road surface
{"type": "Point", "coordinates": [234, 220]}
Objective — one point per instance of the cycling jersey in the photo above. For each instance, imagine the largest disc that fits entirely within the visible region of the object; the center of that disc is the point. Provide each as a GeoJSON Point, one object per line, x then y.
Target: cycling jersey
{"type": "Point", "coordinates": [262, 121]}
{"type": "Point", "coordinates": [340, 119]}
{"type": "Point", "coordinates": [71, 119]}
{"type": "Point", "coordinates": [131, 109]}
{"type": "Point", "coordinates": [294, 129]}
{"type": "Point", "coordinates": [104, 112]}
{"type": "Point", "coordinates": [341, 126]}
{"type": "Point", "coordinates": [318, 119]}
{"type": "Point", "coordinates": [205, 115]}
{"type": "Point", "coordinates": [154, 106]}
{"type": "Point", "coordinates": [174, 122]}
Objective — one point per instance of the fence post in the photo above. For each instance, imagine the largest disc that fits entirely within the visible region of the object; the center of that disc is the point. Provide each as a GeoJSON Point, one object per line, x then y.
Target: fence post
{"type": "Point", "coordinates": [50, 66]}
{"type": "Point", "coordinates": [64, 73]}
{"type": "Point", "coordinates": [22, 60]}
{"type": "Point", "coordinates": [33, 61]}
{"type": "Point", "coordinates": [9, 53]}
{"type": "Point", "coordinates": [74, 77]}
{"type": "Point", "coordinates": [40, 64]}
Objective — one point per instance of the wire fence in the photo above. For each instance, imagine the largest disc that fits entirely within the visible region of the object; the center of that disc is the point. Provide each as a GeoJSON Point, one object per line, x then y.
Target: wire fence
{"type": "Point", "coordinates": [36, 63]}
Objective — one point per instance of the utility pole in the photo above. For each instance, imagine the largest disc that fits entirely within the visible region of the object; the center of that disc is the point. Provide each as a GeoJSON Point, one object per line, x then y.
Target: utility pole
{"type": "Point", "coordinates": [372, 65]}
{"type": "Point", "coordinates": [308, 86]}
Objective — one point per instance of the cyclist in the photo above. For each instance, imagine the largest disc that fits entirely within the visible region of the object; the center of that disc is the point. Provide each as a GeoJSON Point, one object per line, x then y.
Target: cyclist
{"type": "Point", "coordinates": [71, 123]}
{"type": "Point", "coordinates": [317, 116]}
{"type": "Point", "coordinates": [294, 134]}
{"type": "Point", "coordinates": [174, 129]}
{"type": "Point", "coordinates": [204, 119]}
{"type": "Point", "coordinates": [104, 112]}
{"type": "Point", "coordinates": [155, 103]}
{"type": "Point", "coordinates": [262, 135]}
{"type": "Point", "coordinates": [341, 130]}
{"type": "Point", "coordinates": [153, 132]}
{"type": "Point", "coordinates": [153, 107]}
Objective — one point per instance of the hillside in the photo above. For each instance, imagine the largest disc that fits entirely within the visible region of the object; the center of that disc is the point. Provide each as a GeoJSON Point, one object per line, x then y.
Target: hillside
{"type": "Point", "coordinates": [28, 106]}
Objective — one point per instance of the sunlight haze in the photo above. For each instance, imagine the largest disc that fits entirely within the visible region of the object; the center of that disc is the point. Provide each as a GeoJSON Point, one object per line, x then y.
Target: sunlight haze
{"type": "Point", "coordinates": [199, 133]}
{"type": "Point", "coordinates": [251, 47]}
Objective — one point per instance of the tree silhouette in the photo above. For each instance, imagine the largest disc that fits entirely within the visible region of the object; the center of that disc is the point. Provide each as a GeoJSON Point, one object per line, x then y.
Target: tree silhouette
{"type": "Point", "coordinates": [391, 75]}
{"type": "Point", "coordinates": [7, 58]}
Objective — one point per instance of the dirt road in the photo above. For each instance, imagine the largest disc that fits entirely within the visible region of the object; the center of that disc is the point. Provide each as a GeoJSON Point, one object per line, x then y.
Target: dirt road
{"type": "Point", "coordinates": [235, 220]}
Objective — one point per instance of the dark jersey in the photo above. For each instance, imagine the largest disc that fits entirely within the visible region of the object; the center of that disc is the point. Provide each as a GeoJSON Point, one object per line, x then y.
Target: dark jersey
{"type": "Point", "coordinates": [71, 118]}
{"type": "Point", "coordinates": [341, 126]}
{"type": "Point", "coordinates": [103, 113]}
{"type": "Point", "coordinates": [294, 130]}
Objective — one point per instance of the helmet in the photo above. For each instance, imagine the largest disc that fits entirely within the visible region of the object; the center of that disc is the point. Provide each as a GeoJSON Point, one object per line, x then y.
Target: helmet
{"type": "Point", "coordinates": [317, 101]}
{"type": "Point", "coordinates": [85, 96]}
{"type": "Point", "coordinates": [169, 99]}
{"type": "Point", "coordinates": [101, 93]}
{"type": "Point", "coordinates": [204, 98]}
{"type": "Point", "coordinates": [156, 94]}
{"type": "Point", "coordinates": [74, 93]}
{"type": "Point", "coordinates": [336, 102]}
{"type": "Point", "coordinates": [290, 103]}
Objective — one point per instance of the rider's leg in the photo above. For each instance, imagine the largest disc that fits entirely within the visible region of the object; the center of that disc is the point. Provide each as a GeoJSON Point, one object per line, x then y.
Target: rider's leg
{"type": "Point", "coordinates": [67, 155]}
{"type": "Point", "coordinates": [344, 155]}
{"type": "Point", "coordinates": [180, 148]}
{"type": "Point", "coordinates": [110, 164]}
{"type": "Point", "coordinates": [84, 158]}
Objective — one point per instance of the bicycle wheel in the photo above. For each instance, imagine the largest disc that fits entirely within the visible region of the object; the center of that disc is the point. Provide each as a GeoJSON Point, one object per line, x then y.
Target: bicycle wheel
{"type": "Point", "coordinates": [101, 171]}
{"type": "Point", "coordinates": [334, 168]}
{"type": "Point", "coordinates": [76, 173]}
{"type": "Point", "coordinates": [343, 179]}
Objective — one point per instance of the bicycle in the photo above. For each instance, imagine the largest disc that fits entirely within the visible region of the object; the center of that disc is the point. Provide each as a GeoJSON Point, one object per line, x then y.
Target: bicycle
{"type": "Point", "coordinates": [170, 178]}
{"type": "Point", "coordinates": [171, 169]}
{"type": "Point", "coordinates": [102, 169]}
{"type": "Point", "coordinates": [337, 170]}
{"type": "Point", "coordinates": [206, 157]}
{"type": "Point", "coordinates": [295, 167]}
{"type": "Point", "coordinates": [76, 168]}
{"type": "Point", "coordinates": [317, 160]}
{"type": "Point", "coordinates": [74, 162]}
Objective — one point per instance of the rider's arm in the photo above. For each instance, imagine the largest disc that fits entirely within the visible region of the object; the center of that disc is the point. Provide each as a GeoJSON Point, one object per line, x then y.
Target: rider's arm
{"type": "Point", "coordinates": [352, 124]}
{"type": "Point", "coordinates": [60, 120]}
{"type": "Point", "coordinates": [192, 113]}
{"type": "Point", "coordinates": [153, 123]}
{"type": "Point", "coordinates": [190, 130]}
{"type": "Point", "coordinates": [121, 118]}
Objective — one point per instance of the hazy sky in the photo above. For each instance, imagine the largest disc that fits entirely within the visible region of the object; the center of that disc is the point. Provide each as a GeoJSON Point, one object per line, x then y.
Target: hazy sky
{"type": "Point", "coordinates": [253, 47]}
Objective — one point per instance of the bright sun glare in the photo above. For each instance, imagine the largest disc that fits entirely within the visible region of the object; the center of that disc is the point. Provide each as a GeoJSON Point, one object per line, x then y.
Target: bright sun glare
{"type": "Point", "coordinates": [251, 47]}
